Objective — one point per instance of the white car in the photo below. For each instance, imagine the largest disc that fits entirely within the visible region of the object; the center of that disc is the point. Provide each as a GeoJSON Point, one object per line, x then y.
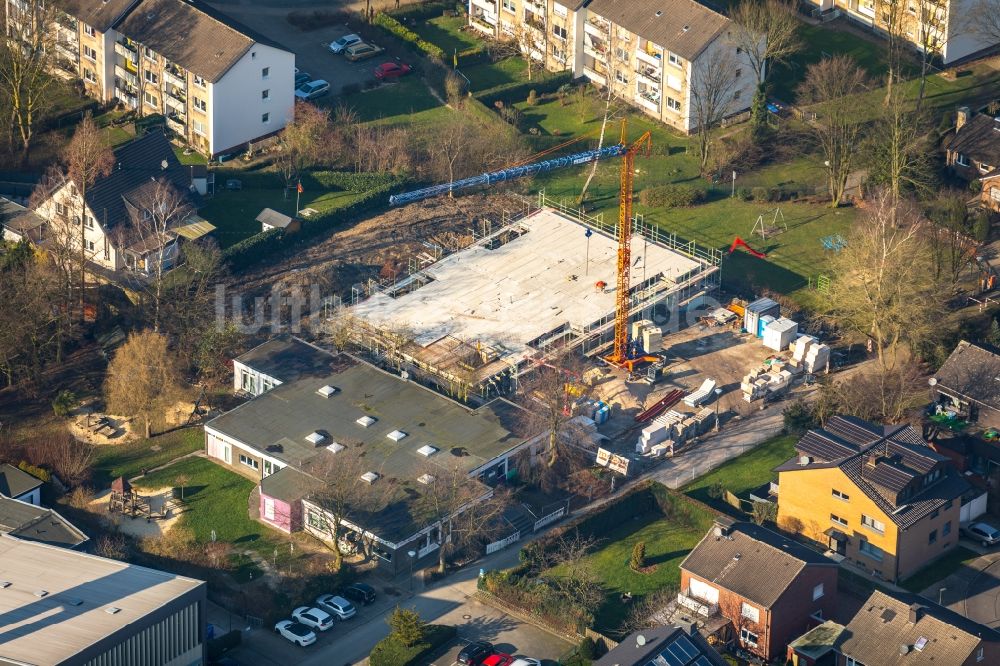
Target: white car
{"type": "Point", "coordinates": [295, 632]}
{"type": "Point", "coordinates": [335, 605]}
{"type": "Point", "coordinates": [313, 617]}
{"type": "Point", "coordinates": [338, 45]}
{"type": "Point", "coordinates": [525, 661]}
{"type": "Point", "coordinates": [312, 89]}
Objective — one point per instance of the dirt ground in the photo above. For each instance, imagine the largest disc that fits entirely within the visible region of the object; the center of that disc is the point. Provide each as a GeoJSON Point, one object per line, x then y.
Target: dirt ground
{"type": "Point", "coordinates": [138, 527]}
{"type": "Point", "coordinates": [122, 429]}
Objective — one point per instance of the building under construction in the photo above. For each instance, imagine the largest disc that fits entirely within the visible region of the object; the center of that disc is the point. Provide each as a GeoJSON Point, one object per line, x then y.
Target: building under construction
{"type": "Point", "coordinates": [471, 322]}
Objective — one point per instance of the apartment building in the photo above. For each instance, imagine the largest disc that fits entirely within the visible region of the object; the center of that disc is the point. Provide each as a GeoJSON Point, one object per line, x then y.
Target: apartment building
{"type": "Point", "coordinates": [878, 497]}
{"type": "Point", "coordinates": [941, 26]}
{"type": "Point", "coordinates": [219, 84]}
{"type": "Point", "coordinates": [652, 53]}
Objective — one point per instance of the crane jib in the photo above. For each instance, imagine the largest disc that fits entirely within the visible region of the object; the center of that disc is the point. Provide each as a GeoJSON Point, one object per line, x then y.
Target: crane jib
{"type": "Point", "coordinates": [508, 174]}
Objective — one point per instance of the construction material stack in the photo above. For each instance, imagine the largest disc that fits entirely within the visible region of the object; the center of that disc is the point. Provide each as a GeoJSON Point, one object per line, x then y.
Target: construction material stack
{"type": "Point", "coordinates": [766, 382]}
{"type": "Point", "coordinates": [810, 355]}
{"type": "Point", "coordinates": [648, 334]}
{"type": "Point", "coordinates": [704, 420]}
{"type": "Point", "coordinates": [701, 395]}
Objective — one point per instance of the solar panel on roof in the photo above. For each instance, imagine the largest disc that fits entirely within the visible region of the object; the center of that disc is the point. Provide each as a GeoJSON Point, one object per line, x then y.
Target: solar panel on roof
{"type": "Point", "coordinates": [687, 647]}
{"type": "Point", "coordinates": [680, 651]}
{"type": "Point", "coordinates": [824, 447]}
{"type": "Point", "coordinates": [888, 476]}
{"type": "Point", "coordinates": [702, 661]}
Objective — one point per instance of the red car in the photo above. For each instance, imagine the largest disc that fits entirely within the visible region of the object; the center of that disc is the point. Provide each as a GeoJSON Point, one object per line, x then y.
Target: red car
{"type": "Point", "coordinates": [498, 659]}
{"type": "Point", "coordinates": [391, 70]}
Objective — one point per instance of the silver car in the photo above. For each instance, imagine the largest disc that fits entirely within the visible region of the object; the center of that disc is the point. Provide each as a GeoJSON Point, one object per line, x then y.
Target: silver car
{"type": "Point", "coordinates": [312, 89]}
{"type": "Point", "coordinates": [983, 533]}
{"type": "Point", "coordinates": [338, 45]}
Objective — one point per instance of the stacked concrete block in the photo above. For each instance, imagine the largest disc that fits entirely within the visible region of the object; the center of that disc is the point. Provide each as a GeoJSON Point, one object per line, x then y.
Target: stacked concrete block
{"type": "Point", "coordinates": [652, 339]}
{"type": "Point", "coordinates": [704, 420]}
{"type": "Point", "coordinates": [817, 358]}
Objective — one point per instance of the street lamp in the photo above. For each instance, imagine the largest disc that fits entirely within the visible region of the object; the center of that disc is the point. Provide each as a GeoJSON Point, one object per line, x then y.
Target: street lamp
{"type": "Point", "coordinates": [413, 556]}
{"type": "Point", "coordinates": [718, 397]}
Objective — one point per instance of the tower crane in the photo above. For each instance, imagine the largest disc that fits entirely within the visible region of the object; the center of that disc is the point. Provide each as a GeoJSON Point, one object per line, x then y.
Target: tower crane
{"type": "Point", "coordinates": [620, 356]}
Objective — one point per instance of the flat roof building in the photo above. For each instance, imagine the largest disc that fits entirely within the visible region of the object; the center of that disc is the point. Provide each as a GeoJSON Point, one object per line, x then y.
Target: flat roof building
{"type": "Point", "coordinates": [60, 606]}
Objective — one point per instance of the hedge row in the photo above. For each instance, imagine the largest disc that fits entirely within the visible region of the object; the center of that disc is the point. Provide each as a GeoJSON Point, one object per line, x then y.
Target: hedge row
{"type": "Point", "coordinates": [426, 10]}
{"type": "Point", "coordinates": [347, 181]}
{"type": "Point", "coordinates": [671, 196]}
{"type": "Point", "coordinates": [251, 250]}
{"type": "Point", "coordinates": [511, 93]}
{"type": "Point", "coordinates": [396, 28]}
{"type": "Point", "coordinates": [391, 652]}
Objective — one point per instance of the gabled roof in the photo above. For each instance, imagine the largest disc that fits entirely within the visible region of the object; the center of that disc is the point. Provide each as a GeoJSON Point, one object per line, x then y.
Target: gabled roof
{"type": "Point", "coordinates": [972, 372]}
{"type": "Point", "coordinates": [978, 138]}
{"type": "Point", "coordinates": [21, 221]}
{"type": "Point", "coordinates": [751, 561]}
{"type": "Point", "coordinates": [879, 630]}
{"type": "Point", "coordinates": [683, 27]}
{"type": "Point", "coordinates": [192, 34]}
{"type": "Point", "coordinates": [36, 523]}
{"type": "Point", "coordinates": [15, 482]}
{"type": "Point", "coordinates": [679, 645]}
{"type": "Point", "coordinates": [274, 218]}
{"type": "Point", "coordinates": [98, 14]}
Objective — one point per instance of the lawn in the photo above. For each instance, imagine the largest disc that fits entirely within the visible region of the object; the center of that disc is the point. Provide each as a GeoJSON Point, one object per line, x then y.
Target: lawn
{"type": "Point", "coordinates": [408, 98]}
{"type": "Point", "coordinates": [939, 570]}
{"type": "Point", "coordinates": [234, 213]}
{"type": "Point", "coordinates": [451, 33]}
{"type": "Point", "coordinates": [667, 544]}
{"type": "Point", "coordinates": [128, 460]}
{"type": "Point", "coordinates": [748, 471]}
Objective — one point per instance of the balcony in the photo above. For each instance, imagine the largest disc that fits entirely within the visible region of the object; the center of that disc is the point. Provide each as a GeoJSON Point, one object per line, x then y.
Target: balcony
{"type": "Point", "coordinates": [532, 21]}
{"type": "Point", "coordinates": [486, 5]}
{"type": "Point", "coordinates": [68, 22]}
{"type": "Point", "coordinates": [537, 6]}
{"type": "Point", "coordinates": [595, 30]}
{"type": "Point", "coordinates": [649, 75]}
{"type": "Point", "coordinates": [126, 76]}
{"type": "Point", "coordinates": [699, 606]}
{"type": "Point", "coordinates": [129, 99]}
{"type": "Point", "coordinates": [177, 96]}
{"type": "Point", "coordinates": [175, 78]}
{"type": "Point", "coordinates": [68, 51]}
{"type": "Point", "coordinates": [647, 101]}
{"type": "Point", "coordinates": [654, 60]}
{"type": "Point", "coordinates": [594, 76]}
{"type": "Point", "coordinates": [481, 24]}
{"type": "Point", "coordinates": [126, 51]}
{"type": "Point", "coordinates": [596, 51]}
{"type": "Point", "coordinates": [177, 123]}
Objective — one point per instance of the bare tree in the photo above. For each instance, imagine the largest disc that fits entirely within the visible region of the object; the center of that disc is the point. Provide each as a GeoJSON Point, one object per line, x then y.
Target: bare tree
{"type": "Point", "coordinates": [831, 86]}
{"type": "Point", "coordinates": [654, 610]}
{"type": "Point", "coordinates": [142, 378]}
{"type": "Point", "coordinates": [982, 21]}
{"type": "Point", "coordinates": [303, 142]}
{"type": "Point", "coordinates": [900, 154]}
{"type": "Point", "coordinates": [158, 210]}
{"type": "Point", "coordinates": [874, 394]}
{"type": "Point", "coordinates": [450, 151]}
{"type": "Point", "coordinates": [892, 19]}
{"type": "Point", "coordinates": [882, 273]}
{"type": "Point", "coordinates": [952, 236]}
{"type": "Point", "coordinates": [546, 399]}
{"type": "Point", "coordinates": [25, 58]}
{"type": "Point", "coordinates": [713, 85]}
{"type": "Point", "coordinates": [88, 159]}
{"type": "Point", "coordinates": [931, 25]}
{"type": "Point", "coordinates": [32, 325]}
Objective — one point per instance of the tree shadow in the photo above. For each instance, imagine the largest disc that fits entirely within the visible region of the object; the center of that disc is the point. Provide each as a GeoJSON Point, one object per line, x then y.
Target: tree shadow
{"type": "Point", "coordinates": [665, 557]}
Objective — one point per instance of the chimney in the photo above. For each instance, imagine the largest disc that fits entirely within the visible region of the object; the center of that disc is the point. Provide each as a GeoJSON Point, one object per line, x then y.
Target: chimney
{"type": "Point", "coordinates": [871, 460]}
{"type": "Point", "coordinates": [915, 612]}
{"type": "Point", "coordinates": [723, 526]}
{"type": "Point", "coordinates": [961, 117]}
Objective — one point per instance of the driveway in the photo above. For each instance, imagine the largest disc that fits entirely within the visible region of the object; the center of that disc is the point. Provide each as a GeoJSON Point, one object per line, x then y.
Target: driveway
{"type": "Point", "coordinates": [974, 589]}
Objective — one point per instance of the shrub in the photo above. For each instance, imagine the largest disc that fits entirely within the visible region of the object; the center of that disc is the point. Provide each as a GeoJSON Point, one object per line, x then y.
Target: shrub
{"type": "Point", "coordinates": [406, 625]}
{"type": "Point", "coordinates": [63, 403]}
{"type": "Point", "coordinates": [587, 649]}
{"type": "Point", "coordinates": [716, 490]}
{"type": "Point", "coordinates": [638, 560]}
{"type": "Point", "coordinates": [34, 471]}
{"type": "Point", "coordinates": [671, 196]}
{"type": "Point", "coordinates": [744, 194]}
{"type": "Point", "coordinates": [799, 417]}
{"type": "Point", "coordinates": [532, 98]}
{"type": "Point", "coordinates": [396, 28]}
{"type": "Point", "coordinates": [390, 652]}
{"type": "Point", "coordinates": [456, 87]}
{"type": "Point", "coordinates": [759, 194]}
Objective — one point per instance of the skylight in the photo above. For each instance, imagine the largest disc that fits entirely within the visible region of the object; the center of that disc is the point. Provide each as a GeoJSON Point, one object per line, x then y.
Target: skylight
{"type": "Point", "coordinates": [335, 448]}
{"type": "Point", "coordinates": [326, 391]}
{"type": "Point", "coordinates": [396, 435]}
{"type": "Point", "coordinates": [365, 421]}
{"type": "Point", "coordinates": [427, 450]}
{"type": "Point", "coordinates": [369, 477]}
{"type": "Point", "coordinates": [315, 437]}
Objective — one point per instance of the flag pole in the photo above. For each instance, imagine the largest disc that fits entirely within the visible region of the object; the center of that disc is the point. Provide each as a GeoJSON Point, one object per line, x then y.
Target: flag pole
{"type": "Point", "coordinates": [298, 193]}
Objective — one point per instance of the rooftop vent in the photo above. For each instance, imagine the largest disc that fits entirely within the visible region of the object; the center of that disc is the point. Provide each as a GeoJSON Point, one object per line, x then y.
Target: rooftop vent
{"type": "Point", "coordinates": [658, 13]}
{"type": "Point", "coordinates": [335, 448]}
{"type": "Point", "coordinates": [686, 28]}
{"type": "Point", "coordinates": [427, 450]}
{"type": "Point", "coordinates": [326, 391]}
{"type": "Point", "coordinates": [4, 584]}
{"type": "Point", "coordinates": [920, 644]}
{"type": "Point", "coordinates": [73, 601]}
{"type": "Point", "coordinates": [425, 479]}
{"type": "Point", "coordinates": [396, 435]}
{"type": "Point", "coordinates": [112, 610]}
{"type": "Point", "coordinates": [41, 593]}
{"type": "Point", "coordinates": [904, 649]}
{"type": "Point", "coordinates": [369, 477]}
{"type": "Point", "coordinates": [315, 437]}
{"type": "Point", "coordinates": [365, 421]}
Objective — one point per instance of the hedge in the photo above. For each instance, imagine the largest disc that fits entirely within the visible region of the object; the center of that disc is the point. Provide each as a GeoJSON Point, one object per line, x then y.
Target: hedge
{"type": "Point", "coordinates": [391, 652]}
{"type": "Point", "coordinates": [36, 472]}
{"type": "Point", "coordinates": [396, 28]}
{"type": "Point", "coordinates": [348, 181]}
{"type": "Point", "coordinates": [671, 196]}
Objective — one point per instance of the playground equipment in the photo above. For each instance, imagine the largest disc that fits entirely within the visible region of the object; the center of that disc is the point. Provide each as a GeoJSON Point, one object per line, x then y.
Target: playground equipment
{"type": "Point", "coordinates": [127, 501]}
{"type": "Point", "coordinates": [774, 228]}
{"type": "Point", "coordinates": [739, 242]}
{"type": "Point", "coordinates": [834, 242]}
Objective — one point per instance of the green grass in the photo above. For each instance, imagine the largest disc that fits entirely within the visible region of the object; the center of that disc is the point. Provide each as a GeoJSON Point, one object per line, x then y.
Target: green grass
{"type": "Point", "coordinates": [128, 460]}
{"type": "Point", "coordinates": [234, 213]}
{"type": "Point", "coordinates": [404, 101]}
{"type": "Point", "coordinates": [447, 33]}
{"type": "Point", "coordinates": [667, 544]}
{"type": "Point", "coordinates": [193, 158]}
{"type": "Point", "coordinates": [746, 472]}
{"type": "Point", "coordinates": [939, 569]}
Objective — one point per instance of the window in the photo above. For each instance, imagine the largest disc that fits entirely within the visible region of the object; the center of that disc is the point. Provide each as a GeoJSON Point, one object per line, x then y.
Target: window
{"type": "Point", "coordinates": [673, 104]}
{"type": "Point", "coordinates": [253, 55]}
{"type": "Point", "coordinates": [935, 513]}
{"type": "Point", "coordinates": [198, 81]}
{"type": "Point", "coordinates": [961, 160]}
{"type": "Point", "coordinates": [90, 245]}
{"type": "Point", "coordinates": [749, 612]}
{"type": "Point", "coordinates": [151, 100]}
{"type": "Point", "coordinates": [315, 519]}
{"type": "Point", "coordinates": [620, 76]}
{"type": "Point", "coordinates": [151, 77]}
{"type": "Point", "coordinates": [89, 222]}
{"type": "Point", "coordinates": [559, 32]}
{"type": "Point", "coordinates": [148, 53]}
{"type": "Point", "coordinates": [851, 661]}
{"type": "Point", "coordinates": [60, 209]}
{"type": "Point", "coordinates": [748, 638]}
{"type": "Point", "coordinates": [872, 524]}
{"type": "Point", "coordinates": [88, 30]}
{"type": "Point", "coordinates": [841, 496]}
{"type": "Point", "coordinates": [948, 504]}
{"type": "Point", "coordinates": [89, 53]}
{"type": "Point", "coordinates": [932, 537]}
{"type": "Point", "coordinates": [621, 54]}
{"type": "Point", "coordinates": [818, 592]}
{"type": "Point", "coordinates": [199, 103]}
{"type": "Point", "coordinates": [979, 654]}
{"type": "Point", "coordinates": [265, 94]}
{"type": "Point", "coordinates": [508, 5]}
{"type": "Point", "coordinates": [265, 117]}
{"type": "Point", "coordinates": [559, 55]}
{"type": "Point", "coordinates": [985, 168]}
{"type": "Point", "coordinates": [834, 518]}
{"type": "Point", "coordinates": [946, 529]}
{"type": "Point", "coordinates": [874, 552]}
{"type": "Point", "coordinates": [89, 75]}
{"type": "Point", "coordinates": [559, 10]}
{"type": "Point", "coordinates": [673, 60]}
{"type": "Point", "coordinates": [249, 462]}
{"type": "Point", "coordinates": [932, 477]}
{"type": "Point", "coordinates": [198, 126]}
{"type": "Point", "coordinates": [265, 72]}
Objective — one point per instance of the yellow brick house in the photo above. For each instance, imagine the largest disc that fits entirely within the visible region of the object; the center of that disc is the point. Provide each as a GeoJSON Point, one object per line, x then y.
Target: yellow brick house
{"type": "Point", "coordinates": [876, 496]}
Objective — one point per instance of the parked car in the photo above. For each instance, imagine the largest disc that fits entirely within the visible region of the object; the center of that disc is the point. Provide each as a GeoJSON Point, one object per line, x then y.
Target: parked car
{"type": "Point", "coordinates": [498, 659]}
{"type": "Point", "coordinates": [391, 70]}
{"type": "Point", "coordinates": [336, 605]}
{"type": "Point", "coordinates": [338, 45]}
{"type": "Point", "coordinates": [360, 593]}
{"type": "Point", "coordinates": [296, 632]}
{"type": "Point", "coordinates": [302, 77]}
{"type": "Point", "coordinates": [362, 51]}
{"type": "Point", "coordinates": [981, 532]}
{"type": "Point", "coordinates": [313, 617]}
{"type": "Point", "coordinates": [312, 89]}
{"type": "Point", "coordinates": [474, 653]}
{"type": "Point", "coordinates": [526, 661]}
